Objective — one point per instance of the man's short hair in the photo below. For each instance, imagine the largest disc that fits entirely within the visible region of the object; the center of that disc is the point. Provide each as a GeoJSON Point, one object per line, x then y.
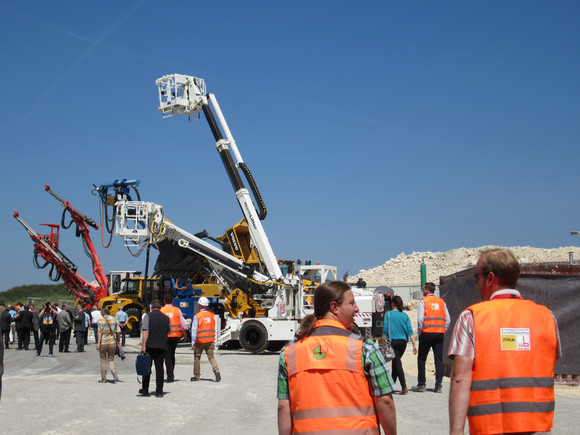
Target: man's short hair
{"type": "Point", "coordinates": [430, 286]}
{"type": "Point", "coordinates": [504, 264]}
{"type": "Point", "coordinates": [155, 304]}
{"type": "Point", "coordinates": [168, 298]}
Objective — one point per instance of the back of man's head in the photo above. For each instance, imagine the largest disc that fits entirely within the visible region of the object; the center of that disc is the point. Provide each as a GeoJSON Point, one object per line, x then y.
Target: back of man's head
{"type": "Point", "coordinates": [504, 265]}
{"type": "Point", "coordinates": [168, 299]}
{"type": "Point", "coordinates": [430, 286]}
{"type": "Point", "coordinates": [155, 305]}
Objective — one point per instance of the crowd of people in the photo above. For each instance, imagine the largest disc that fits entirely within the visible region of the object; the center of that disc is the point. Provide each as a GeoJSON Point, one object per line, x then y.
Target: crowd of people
{"type": "Point", "coordinates": [46, 325]}
{"type": "Point", "coordinates": [330, 379]}
{"type": "Point", "coordinates": [504, 350]}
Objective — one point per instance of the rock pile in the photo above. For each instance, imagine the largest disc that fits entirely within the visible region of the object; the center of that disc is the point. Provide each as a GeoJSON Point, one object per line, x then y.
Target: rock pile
{"type": "Point", "coordinates": [406, 269]}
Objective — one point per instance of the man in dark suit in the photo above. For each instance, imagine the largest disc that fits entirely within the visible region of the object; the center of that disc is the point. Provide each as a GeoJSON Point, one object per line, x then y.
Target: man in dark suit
{"type": "Point", "coordinates": [80, 328]}
{"type": "Point", "coordinates": [155, 329]}
{"type": "Point", "coordinates": [25, 323]}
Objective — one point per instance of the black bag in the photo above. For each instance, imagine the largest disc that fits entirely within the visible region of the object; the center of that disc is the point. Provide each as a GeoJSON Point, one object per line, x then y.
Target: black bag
{"type": "Point", "coordinates": [143, 364]}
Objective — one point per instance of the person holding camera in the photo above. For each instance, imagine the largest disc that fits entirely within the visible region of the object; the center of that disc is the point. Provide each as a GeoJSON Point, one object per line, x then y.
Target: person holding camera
{"type": "Point", "coordinates": [47, 318]}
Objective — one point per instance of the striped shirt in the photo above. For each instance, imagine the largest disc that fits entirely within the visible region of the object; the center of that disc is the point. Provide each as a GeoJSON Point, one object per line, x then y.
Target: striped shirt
{"type": "Point", "coordinates": [374, 366]}
{"type": "Point", "coordinates": [106, 336]}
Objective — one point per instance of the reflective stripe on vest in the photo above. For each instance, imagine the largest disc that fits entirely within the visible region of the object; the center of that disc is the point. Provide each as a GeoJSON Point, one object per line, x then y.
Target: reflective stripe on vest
{"type": "Point", "coordinates": [434, 319]}
{"type": "Point", "coordinates": [173, 314]}
{"type": "Point", "coordinates": [328, 388]}
{"type": "Point", "coordinates": [513, 378]}
{"type": "Point", "coordinates": [205, 327]}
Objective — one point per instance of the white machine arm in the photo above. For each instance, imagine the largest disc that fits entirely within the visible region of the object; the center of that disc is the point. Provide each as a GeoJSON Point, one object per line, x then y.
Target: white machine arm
{"type": "Point", "coordinates": [141, 223]}
{"type": "Point", "coordinates": [185, 95]}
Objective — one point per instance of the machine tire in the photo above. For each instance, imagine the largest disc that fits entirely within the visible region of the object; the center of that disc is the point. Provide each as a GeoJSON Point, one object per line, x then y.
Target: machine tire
{"type": "Point", "coordinates": [276, 346]}
{"type": "Point", "coordinates": [134, 322]}
{"type": "Point", "coordinates": [253, 337]}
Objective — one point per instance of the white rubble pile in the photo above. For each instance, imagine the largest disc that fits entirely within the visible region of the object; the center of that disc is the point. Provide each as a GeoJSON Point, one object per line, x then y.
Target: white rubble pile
{"type": "Point", "coordinates": [406, 269]}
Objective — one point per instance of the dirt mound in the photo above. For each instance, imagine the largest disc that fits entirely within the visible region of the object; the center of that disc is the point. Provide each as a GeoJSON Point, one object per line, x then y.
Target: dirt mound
{"type": "Point", "coordinates": [406, 269]}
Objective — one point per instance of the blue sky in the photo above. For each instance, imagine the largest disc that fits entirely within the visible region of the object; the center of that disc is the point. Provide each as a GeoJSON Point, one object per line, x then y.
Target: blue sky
{"type": "Point", "coordinates": [372, 128]}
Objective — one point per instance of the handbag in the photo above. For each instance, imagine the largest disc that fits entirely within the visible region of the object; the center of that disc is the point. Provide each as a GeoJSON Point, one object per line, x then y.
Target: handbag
{"type": "Point", "coordinates": [143, 364]}
{"type": "Point", "coordinates": [385, 345]}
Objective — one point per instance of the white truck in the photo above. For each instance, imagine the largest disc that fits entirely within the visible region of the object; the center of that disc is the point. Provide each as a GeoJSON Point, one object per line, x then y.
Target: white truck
{"type": "Point", "coordinates": [285, 296]}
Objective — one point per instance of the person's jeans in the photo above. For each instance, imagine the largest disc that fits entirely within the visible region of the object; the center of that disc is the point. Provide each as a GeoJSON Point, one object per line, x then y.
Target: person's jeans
{"type": "Point", "coordinates": [399, 347]}
{"type": "Point", "coordinates": [48, 336]}
{"type": "Point", "coordinates": [428, 341]}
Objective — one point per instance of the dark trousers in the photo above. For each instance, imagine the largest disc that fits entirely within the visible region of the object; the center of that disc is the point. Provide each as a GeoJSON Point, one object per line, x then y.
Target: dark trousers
{"type": "Point", "coordinates": [428, 341]}
{"type": "Point", "coordinates": [80, 339]}
{"type": "Point", "coordinates": [64, 341]}
{"type": "Point", "coordinates": [24, 337]}
{"type": "Point", "coordinates": [36, 339]}
{"type": "Point", "coordinates": [170, 356]}
{"type": "Point", "coordinates": [6, 335]}
{"type": "Point", "coordinates": [157, 357]}
{"type": "Point", "coordinates": [123, 334]}
{"type": "Point", "coordinates": [48, 336]}
{"type": "Point", "coordinates": [399, 347]}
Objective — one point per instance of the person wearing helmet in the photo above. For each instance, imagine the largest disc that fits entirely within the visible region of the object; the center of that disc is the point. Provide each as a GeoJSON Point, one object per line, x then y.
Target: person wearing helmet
{"type": "Point", "coordinates": [203, 339]}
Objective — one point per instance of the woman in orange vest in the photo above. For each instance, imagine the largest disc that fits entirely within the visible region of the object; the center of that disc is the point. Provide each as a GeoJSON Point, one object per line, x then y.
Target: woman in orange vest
{"type": "Point", "coordinates": [324, 379]}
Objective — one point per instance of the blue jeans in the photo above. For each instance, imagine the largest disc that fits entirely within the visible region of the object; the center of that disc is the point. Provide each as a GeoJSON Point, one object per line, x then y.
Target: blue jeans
{"type": "Point", "coordinates": [48, 335]}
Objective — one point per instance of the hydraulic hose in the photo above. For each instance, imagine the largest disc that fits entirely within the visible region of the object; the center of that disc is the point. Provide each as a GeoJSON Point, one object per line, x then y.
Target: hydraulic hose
{"type": "Point", "coordinates": [249, 177]}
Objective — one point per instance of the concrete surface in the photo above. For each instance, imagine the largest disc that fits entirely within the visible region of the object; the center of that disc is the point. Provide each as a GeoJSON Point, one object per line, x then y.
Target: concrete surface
{"type": "Point", "coordinates": [53, 395]}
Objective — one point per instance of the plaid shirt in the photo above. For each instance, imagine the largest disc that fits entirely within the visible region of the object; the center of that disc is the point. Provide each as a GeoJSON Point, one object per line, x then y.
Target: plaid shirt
{"type": "Point", "coordinates": [374, 366]}
{"type": "Point", "coordinates": [106, 336]}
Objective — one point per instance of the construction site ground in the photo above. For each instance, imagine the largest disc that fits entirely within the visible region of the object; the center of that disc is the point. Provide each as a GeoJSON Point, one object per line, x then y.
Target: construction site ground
{"type": "Point", "coordinates": [60, 394]}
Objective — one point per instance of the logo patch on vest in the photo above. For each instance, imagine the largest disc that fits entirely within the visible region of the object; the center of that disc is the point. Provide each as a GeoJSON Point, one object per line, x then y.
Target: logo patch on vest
{"type": "Point", "coordinates": [319, 352]}
{"type": "Point", "coordinates": [434, 306]}
{"type": "Point", "coordinates": [515, 339]}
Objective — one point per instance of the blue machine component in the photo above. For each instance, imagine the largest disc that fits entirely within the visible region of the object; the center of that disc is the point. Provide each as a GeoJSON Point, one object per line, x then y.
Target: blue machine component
{"type": "Point", "coordinates": [186, 297]}
{"type": "Point", "coordinates": [120, 187]}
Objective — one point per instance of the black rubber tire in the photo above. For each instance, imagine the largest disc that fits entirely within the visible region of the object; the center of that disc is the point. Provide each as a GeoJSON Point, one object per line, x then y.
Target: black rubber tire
{"type": "Point", "coordinates": [276, 346]}
{"type": "Point", "coordinates": [134, 323]}
{"type": "Point", "coordinates": [253, 337]}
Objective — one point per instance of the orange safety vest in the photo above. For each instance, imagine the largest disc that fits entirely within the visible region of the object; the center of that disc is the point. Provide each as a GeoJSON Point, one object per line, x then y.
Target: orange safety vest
{"type": "Point", "coordinates": [327, 383]}
{"type": "Point", "coordinates": [173, 314]}
{"type": "Point", "coordinates": [205, 327]}
{"type": "Point", "coordinates": [434, 319]}
{"type": "Point", "coordinates": [512, 386]}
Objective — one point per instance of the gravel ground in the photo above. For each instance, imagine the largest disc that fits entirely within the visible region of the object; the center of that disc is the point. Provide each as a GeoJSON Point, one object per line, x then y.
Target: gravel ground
{"type": "Point", "coordinates": [52, 395]}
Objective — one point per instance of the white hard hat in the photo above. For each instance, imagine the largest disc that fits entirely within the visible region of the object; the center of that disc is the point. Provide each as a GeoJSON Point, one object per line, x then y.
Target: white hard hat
{"type": "Point", "coordinates": [203, 301]}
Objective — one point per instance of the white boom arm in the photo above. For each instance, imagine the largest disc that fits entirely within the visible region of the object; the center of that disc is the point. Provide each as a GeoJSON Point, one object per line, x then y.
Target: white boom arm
{"type": "Point", "coordinates": [185, 95]}
{"type": "Point", "coordinates": [140, 222]}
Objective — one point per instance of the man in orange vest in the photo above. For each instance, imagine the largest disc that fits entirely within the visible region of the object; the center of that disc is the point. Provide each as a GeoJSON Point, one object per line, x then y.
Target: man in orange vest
{"type": "Point", "coordinates": [503, 351]}
{"type": "Point", "coordinates": [331, 379]}
{"type": "Point", "coordinates": [203, 339]}
{"type": "Point", "coordinates": [432, 322]}
{"type": "Point", "coordinates": [177, 326]}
